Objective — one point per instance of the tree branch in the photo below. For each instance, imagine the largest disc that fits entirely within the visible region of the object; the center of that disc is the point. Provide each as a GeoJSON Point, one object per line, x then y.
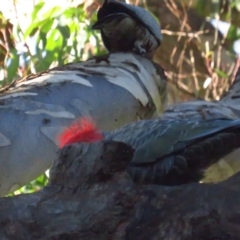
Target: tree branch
{"type": "Point", "coordinates": [85, 201]}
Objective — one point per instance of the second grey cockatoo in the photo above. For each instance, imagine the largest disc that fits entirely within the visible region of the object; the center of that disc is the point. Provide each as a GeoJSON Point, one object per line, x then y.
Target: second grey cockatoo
{"type": "Point", "coordinates": [128, 28]}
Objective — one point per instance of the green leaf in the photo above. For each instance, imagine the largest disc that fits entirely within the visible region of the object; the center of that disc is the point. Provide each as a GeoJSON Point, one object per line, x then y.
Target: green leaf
{"type": "Point", "coordinates": [32, 29]}
{"type": "Point", "coordinates": [233, 33]}
{"type": "Point", "coordinates": [64, 30]}
{"type": "Point", "coordinates": [37, 9]}
{"type": "Point", "coordinates": [54, 40]}
{"type": "Point", "coordinates": [47, 25]}
{"type": "Point", "coordinates": [43, 39]}
{"type": "Point", "coordinates": [53, 13]}
{"type": "Point", "coordinates": [221, 73]}
{"type": "Point", "coordinates": [13, 65]}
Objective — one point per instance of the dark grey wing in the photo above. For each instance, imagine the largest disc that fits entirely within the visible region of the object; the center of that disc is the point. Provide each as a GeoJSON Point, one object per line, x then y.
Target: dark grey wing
{"type": "Point", "coordinates": [155, 139]}
{"type": "Point", "coordinates": [171, 137]}
{"type": "Point", "coordinates": [189, 165]}
{"type": "Point", "coordinates": [195, 149]}
{"type": "Point", "coordinates": [138, 13]}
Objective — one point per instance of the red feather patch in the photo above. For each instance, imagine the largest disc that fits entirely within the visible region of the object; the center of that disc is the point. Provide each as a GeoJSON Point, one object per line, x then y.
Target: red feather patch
{"type": "Point", "coordinates": [83, 130]}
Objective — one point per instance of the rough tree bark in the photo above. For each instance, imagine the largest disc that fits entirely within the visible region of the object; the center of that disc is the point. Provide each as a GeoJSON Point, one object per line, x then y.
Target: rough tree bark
{"type": "Point", "coordinates": [90, 196]}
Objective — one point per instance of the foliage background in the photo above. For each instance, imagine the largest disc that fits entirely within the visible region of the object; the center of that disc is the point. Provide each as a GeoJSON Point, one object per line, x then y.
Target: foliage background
{"type": "Point", "coordinates": [36, 35]}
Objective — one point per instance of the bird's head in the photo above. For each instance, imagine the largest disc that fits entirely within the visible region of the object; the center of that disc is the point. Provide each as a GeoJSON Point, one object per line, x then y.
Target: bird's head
{"type": "Point", "coordinates": [82, 130]}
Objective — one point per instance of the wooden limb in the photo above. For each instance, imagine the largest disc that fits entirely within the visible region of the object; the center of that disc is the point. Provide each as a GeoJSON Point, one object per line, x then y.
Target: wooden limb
{"type": "Point", "coordinates": [90, 196]}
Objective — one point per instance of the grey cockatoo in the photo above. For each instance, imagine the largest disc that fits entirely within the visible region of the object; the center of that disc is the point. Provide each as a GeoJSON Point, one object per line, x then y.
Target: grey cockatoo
{"type": "Point", "coordinates": [33, 111]}
{"type": "Point", "coordinates": [126, 28]}
{"type": "Point", "coordinates": [176, 148]}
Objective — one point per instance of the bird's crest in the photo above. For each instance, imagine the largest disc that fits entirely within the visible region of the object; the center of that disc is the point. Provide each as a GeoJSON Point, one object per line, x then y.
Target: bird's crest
{"type": "Point", "coordinates": [83, 130]}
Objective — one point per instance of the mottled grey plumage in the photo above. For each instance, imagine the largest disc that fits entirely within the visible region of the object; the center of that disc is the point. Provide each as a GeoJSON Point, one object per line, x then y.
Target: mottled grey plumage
{"type": "Point", "coordinates": [126, 28]}
{"type": "Point", "coordinates": [173, 152]}
{"type": "Point", "coordinates": [35, 109]}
